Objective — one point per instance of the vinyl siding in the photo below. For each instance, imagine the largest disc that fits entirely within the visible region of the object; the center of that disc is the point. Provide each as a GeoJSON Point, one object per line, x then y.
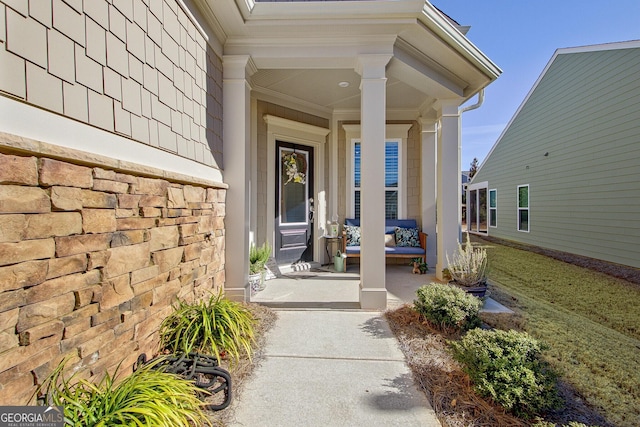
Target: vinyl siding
{"type": "Point", "coordinates": [585, 195]}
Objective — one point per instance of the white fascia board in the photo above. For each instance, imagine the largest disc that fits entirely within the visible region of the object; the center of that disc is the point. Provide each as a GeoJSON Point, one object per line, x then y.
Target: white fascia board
{"type": "Point", "coordinates": [440, 25]}
{"type": "Point", "coordinates": [408, 58]}
{"type": "Point", "coordinates": [632, 44]}
{"type": "Point", "coordinates": [321, 10]}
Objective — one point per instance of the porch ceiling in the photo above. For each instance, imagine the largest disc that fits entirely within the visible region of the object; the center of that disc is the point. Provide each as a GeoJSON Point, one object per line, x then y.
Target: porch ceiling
{"type": "Point", "coordinates": [302, 50]}
{"type": "Point", "coordinates": [320, 88]}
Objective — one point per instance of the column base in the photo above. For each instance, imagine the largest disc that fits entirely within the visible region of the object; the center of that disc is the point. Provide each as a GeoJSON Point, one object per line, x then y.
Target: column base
{"type": "Point", "coordinates": [439, 268]}
{"type": "Point", "coordinates": [237, 294]}
{"type": "Point", "coordinates": [373, 298]}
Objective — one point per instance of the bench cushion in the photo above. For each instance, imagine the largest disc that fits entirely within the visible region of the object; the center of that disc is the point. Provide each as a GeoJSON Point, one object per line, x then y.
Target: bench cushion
{"type": "Point", "coordinates": [398, 250]}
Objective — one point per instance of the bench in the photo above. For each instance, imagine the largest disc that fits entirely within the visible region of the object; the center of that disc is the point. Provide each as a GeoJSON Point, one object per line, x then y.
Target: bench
{"type": "Point", "coordinates": [417, 247]}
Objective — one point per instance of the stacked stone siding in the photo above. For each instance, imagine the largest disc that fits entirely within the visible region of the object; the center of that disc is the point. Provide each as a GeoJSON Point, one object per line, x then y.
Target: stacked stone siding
{"type": "Point", "coordinates": [91, 261]}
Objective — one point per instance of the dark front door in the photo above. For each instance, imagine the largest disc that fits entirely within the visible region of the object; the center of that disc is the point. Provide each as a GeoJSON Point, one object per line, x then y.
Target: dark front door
{"type": "Point", "coordinates": [294, 203]}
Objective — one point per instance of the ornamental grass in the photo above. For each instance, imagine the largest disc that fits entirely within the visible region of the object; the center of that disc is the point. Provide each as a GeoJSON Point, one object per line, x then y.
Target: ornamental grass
{"type": "Point", "coordinates": [145, 398]}
{"type": "Point", "coordinates": [216, 326]}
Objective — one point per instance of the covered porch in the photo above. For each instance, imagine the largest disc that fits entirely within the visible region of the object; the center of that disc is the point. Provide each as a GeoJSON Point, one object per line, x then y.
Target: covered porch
{"type": "Point", "coordinates": [334, 86]}
{"type": "Point", "coordinates": [321, 287]}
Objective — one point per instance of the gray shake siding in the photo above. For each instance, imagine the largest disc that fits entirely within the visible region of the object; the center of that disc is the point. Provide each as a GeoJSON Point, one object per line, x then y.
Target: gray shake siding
{"type": "Point", "coordinates": [584, 195]}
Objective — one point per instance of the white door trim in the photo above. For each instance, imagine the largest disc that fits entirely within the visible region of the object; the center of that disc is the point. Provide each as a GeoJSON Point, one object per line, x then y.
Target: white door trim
{"type": "Point", "coordinates": [298, 133]}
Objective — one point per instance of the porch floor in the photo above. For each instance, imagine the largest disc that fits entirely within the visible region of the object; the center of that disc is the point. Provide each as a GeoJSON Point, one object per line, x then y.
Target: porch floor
{"type": "Point", "coordinates": [323, 287]}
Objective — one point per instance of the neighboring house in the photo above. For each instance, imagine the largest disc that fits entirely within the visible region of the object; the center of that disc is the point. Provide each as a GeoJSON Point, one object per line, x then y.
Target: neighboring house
{"type": "Point", "coordinates": [145, 143]}
{"type": "Point", "coordinates": [564, 173]}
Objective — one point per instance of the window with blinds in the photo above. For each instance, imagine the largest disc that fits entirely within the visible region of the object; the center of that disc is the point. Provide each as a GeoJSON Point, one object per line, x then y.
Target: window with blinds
{"type": "Point", "coordinates": [391, 178]}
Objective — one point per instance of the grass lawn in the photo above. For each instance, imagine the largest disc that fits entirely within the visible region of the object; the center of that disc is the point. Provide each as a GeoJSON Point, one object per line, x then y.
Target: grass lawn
{"type": "Point", "coordinates": [591, 322]}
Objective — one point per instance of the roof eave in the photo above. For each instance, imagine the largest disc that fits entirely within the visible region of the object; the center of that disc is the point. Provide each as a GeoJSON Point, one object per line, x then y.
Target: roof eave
{"type": "Point", "coordinates": [433, 19]}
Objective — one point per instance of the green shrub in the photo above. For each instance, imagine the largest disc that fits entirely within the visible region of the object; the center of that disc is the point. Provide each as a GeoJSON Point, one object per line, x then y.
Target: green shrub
{"type": "Point", "coordinates": [145, 398]}
{"type": "Point", "coordinates": [209, 326]}
{"type": "Point", "coordinates": [506, 366]}
{"type": "Point", "coordinates": [448, 307]}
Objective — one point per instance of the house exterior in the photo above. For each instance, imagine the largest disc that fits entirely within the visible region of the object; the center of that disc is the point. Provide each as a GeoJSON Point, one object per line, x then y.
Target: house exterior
{"type": "Point", "coordinates": [561, 175]}
{"type": "Point", "coordinates": [144, 144]}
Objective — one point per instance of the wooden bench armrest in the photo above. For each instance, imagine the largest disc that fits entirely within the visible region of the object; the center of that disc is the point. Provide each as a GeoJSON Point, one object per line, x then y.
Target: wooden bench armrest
{"type": "Point", "coordinates": [344, 242]}
{"type": "Point", "coordinates": [423, 240]}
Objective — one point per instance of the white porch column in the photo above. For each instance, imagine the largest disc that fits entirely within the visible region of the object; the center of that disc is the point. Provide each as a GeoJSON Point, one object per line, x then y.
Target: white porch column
{"type": "Point", "coordinates": [428, 186]}
{"type": "Point", "coordinates": [237, 171]}
{"type": "Point", "coordinates": [373, 293]}
{"type": "Point", "coordinates": [449, 183]}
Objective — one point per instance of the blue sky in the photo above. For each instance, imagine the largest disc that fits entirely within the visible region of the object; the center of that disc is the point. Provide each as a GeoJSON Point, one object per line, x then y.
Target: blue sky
{"type": "Point", "coordinates": [520, 36]}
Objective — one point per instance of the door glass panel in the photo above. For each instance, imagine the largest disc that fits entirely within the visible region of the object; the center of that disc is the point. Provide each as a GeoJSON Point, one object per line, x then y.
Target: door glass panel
{"type": "Point", "coordinates": [293, 186]}
{"type": "Point", "coordinates": [482, 210]}
{"type": "Point", "coordinates": [472, 215]}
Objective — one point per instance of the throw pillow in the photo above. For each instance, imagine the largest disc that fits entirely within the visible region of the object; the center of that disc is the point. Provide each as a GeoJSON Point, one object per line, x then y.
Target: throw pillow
{"type": "Point", "coordinates": [390, 240]}
{"type": "Point", "coordinates": [353, 235]}
{"type": "Point", "coordinates": [407, 237]}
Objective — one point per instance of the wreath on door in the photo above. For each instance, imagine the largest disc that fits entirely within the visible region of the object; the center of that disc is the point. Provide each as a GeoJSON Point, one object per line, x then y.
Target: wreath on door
{"type": "Point", "coordinates": [295, 167]}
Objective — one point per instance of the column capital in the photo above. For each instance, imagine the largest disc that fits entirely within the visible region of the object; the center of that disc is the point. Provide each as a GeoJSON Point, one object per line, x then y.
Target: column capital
{"type": "Point", "coordinates": [448, 107]}
{"type": "Point", "coordinates": [238, 67]}
{"type": "Point", "coordinates": [373, 66]}
{"type": "Point", "coordinates": [428, 125]}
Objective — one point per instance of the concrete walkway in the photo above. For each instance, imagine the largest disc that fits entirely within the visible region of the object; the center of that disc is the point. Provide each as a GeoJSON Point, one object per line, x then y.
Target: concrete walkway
{"type": "Point", "coordinates": [331, 368]}
{"type": "Point", "coordinates": [327, 363]}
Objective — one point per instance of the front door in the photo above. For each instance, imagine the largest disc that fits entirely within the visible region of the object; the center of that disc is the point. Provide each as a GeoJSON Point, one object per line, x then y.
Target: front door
{"type": "Point", "coordinates": [294, 203]}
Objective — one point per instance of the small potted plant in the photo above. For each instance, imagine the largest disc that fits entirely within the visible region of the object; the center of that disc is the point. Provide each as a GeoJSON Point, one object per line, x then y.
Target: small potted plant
{"type": "Point", "coordinates": [258, 257]}
{"type": "Point", "coordinates": [419, 266]}
{"type": "Point", "coordinates": [468, 268]}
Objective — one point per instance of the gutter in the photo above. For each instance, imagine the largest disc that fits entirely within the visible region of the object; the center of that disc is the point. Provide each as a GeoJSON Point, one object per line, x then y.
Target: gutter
{"type": "Point", "coordinates": [440, 25]}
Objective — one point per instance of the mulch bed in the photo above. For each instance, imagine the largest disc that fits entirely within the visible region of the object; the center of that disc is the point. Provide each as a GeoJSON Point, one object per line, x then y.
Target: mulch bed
{"type": "Point", "coordinates": [449, 389]}
{"type": "Point", "coordinates": [241, 371]}
{"type": "Point", "coordinates": [441, 378]}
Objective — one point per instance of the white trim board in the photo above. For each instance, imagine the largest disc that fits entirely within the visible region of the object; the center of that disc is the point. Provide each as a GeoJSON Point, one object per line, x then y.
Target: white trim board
{"type": "Point", "coordinates": [34, 123]}
{"type": "Point", "coordinates": [298, 133]}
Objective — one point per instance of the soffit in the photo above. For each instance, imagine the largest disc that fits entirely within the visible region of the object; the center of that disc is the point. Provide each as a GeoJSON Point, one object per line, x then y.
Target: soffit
{"type": "Point", "coordinates": [303, 49]}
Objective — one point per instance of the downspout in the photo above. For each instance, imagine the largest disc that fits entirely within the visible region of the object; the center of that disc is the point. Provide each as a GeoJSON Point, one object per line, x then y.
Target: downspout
{"type": "Point", "coordinates": [464, 110]}
{"type": "Point", "coordinates": [476, 105]}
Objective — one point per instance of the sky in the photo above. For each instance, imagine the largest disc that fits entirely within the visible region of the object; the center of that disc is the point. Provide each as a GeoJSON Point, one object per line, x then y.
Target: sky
{"type": "Point", "coordinates": [521, 36]}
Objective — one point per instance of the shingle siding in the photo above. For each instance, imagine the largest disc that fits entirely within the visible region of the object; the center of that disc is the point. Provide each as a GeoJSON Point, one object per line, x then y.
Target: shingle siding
{"type": "Point", "coordinates": [585, 195]}
{"type": "Point", "coordinates": [104, 53]}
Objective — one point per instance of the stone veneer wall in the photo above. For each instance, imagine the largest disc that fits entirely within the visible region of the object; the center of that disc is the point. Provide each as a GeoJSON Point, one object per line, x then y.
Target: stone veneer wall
{"type": "Point", "coordinates": [91, 260]}
{"type": "Point", "coordinates": [142, 69]}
